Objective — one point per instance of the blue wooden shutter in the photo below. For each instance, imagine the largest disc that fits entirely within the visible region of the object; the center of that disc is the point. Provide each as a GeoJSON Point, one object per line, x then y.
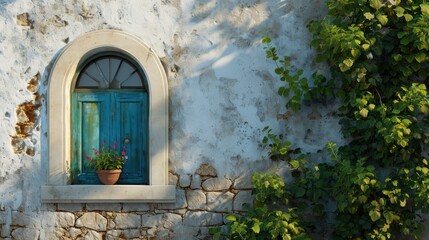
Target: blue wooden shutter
{"type": "Point", "coordinates": [89, 127]}
{"type": "Point", "coordinates": [131, 130]}
{"type": "Point", "coordinates": [109, 117]}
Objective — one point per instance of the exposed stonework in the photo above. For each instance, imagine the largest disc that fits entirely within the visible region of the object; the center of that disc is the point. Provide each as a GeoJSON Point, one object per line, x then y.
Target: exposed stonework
{"type": "Point", "coordinates": [241, 199]}
{"type": "Point", "coordinates": [219, 201]}
{"type": "Point", "coordinates": [27, 115]}
{"type": "Point", "coordinates": [205, 170]}
{"type": "Point", "coordinates": [93, 221]}
{"type": "Point", "coordinates": [196, 199]}
{"type": "Point", "coordinates": [23, 20]}
{"type": "Point", "coordinates": [216, 184]}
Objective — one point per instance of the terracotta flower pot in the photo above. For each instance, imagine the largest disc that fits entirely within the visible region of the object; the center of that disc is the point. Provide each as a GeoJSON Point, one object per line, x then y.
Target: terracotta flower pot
{"type": "Point", "coordinates": [108, 177]}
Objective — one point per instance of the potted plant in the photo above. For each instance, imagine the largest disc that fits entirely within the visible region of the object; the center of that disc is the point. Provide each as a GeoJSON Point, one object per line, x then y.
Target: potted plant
{"type": "Point", "coordinates": [108, 162]}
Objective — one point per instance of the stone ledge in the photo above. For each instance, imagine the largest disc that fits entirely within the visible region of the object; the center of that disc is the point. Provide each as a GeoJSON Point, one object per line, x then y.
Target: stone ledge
{"type": "Point", "coordinates": [108, 194]}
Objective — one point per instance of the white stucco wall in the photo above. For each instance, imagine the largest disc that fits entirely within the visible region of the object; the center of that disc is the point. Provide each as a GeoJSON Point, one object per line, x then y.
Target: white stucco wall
{"type": "Point", "coordinates": [221, 88]}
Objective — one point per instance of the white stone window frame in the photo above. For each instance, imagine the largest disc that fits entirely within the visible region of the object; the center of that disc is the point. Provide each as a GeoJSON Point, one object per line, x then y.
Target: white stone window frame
{"type": "Point", "coordinates": [61, 85]}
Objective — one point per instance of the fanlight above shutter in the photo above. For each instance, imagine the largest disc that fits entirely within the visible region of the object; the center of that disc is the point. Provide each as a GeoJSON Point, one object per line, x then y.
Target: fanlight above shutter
{"type": "Point", "coordinates": [110, 72]}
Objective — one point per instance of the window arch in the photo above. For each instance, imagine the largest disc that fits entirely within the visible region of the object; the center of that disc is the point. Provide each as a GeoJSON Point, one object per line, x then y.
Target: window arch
{"type": "Point", "coordinates": [64, 81]}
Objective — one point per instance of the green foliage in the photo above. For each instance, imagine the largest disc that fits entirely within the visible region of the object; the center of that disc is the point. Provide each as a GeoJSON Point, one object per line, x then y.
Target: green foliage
{"type": "Point", "coordinates": [296, 88]}
{"type": "Point", "coordinates": [269, 218]}
{"type": "Point", "coordinates": [378, 54]}
{"type": "Point", "coordinates": [107, 158]}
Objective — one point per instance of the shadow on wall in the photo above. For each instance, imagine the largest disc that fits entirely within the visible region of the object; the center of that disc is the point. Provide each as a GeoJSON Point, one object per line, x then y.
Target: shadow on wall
{"type": "Point", "coordinates": [228, 91]}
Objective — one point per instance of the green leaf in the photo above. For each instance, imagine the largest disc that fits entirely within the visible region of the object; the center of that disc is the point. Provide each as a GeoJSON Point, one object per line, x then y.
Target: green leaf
{"type": "Point", "coordinates": [390, 217]}
{"type": "Point", "coordinates": [294, 163]}
{"type": "Point", "coordinates": [348, 62]}
{"type": "Point", "coordinates": [266, 40]}
{"type": "Point", "coordinates": [375, 4]}
{"type": "Point", "coordinates": [424, 8]}
{"type": "Point", "coordinates": [420, 57]}
{"type": "Point", "coordinates": [231, 218]}
{"type": "Point", "coordinates": [364, 112]}
{"type": "Point", "coordinates": [368, 15]}
{"type": "Point", "coordinates": [382, 19]}
{"type": "Point", "coordinates": [399, 11]}
{"type": "Point", "coordinates": [375, 215]}
{"type": "Point", "coordinates": [256, 228]}
{"type": "Point", "coordinates": [365, 46]}
{"type": "Point", "coordinates": [408, 17]}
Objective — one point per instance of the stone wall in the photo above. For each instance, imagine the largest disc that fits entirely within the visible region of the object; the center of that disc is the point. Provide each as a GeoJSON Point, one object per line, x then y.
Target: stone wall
{"type": "Point", "coordinates": [203, 200]}
{"type": "Point", "coordinates": [222, 93]}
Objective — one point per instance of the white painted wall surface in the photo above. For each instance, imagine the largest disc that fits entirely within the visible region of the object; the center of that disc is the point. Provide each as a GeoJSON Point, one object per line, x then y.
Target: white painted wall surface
{"type": "Point", "coordinates": [222, 93]}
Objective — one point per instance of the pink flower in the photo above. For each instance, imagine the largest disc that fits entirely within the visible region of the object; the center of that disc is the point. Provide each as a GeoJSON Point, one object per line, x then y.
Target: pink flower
{"type": "Point", "coordinates": [116, 142]}
{"type": "Point", "coordinates": [96, 153]}
{"type": "Point", "coordinates": [125, 148]}
{"type": "Point", "coordinates": [93, 149]}
{"type": "Point", "coordinates": [113, 146]}
{"type": "Point", "coordinates": [87, 157]}
{"type": "Point", "coordinates": [123, 153]}
{"type": "Point", "coordinates": [102, 143]}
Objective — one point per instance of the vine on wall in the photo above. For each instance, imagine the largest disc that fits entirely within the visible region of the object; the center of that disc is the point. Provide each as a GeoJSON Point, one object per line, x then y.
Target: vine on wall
{"type": "Point", "coordinates": [378, 53]}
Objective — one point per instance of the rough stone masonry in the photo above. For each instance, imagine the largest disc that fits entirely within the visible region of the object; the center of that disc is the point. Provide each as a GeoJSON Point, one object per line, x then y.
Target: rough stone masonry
{"type": "Point", "coordinates": [222, 92]}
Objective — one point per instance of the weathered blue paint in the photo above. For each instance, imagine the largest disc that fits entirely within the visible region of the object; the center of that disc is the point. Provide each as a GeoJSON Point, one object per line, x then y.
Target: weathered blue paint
{"type": "Point", "coordinates": [110, 116]}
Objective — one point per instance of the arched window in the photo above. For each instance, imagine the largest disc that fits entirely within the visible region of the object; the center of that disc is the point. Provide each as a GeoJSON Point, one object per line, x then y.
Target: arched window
{"type": "Point", "coordinates": [108, 86]}
{"type": "Point", "coordinates": [110, 105]}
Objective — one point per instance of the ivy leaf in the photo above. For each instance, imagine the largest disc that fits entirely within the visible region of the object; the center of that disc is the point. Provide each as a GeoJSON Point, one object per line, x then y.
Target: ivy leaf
{"type": "Point", "coordinates": [368, 15]}
{"type": "Point", "coordinates": [294, 163]}
{"type": "Point", "coordinates": [375, 4]}
{"type": "Point", "coordinates": [420, 57]}
{"type": "Point", "coordinates": [382, 19]}
{"type": "Point", "coordinates": [408, 17]}
{"type": "Point", "coordinates": [348, 62]}
{"type": "Point", "coordinates": [256, 228]}
{"type": "Point", "coordinates": [424, 8]}
{"type": "Point", "coordinates": [364, 112]}
{"type": "Point", "coordinates": [231, 218]}
{"type": "Point", "coordinates": [375, 215]}
{"type": "Point", "coordinates": [399, 11]}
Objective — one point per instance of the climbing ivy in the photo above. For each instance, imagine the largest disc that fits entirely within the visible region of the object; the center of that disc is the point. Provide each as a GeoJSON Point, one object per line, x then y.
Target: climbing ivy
{"type": "Point", "coordinates": [378, 54]}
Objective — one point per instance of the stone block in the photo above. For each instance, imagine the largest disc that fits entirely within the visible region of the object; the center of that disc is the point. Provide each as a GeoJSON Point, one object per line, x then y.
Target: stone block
{"type": "Point", "coordinates": [93, 221]}
{"type": "Point", "coordinates": [180, 201]}
{"type": "Point", "coordinates": [185, 181]}
{"type": "Point", "coordinates": [196, 199]}
{"type": "Point", "coordinates": [243, 182]}
{"type": "Point", "coordinates": [202, 218]}
{"type": "Point", "coordinates": [75, 232]}
{"type": "Point", "coordinates": [196, 182]}
{"type": "Point", "coordinates": [242, 197]}
{"type": "Point", "coordinates": [25, 220]}
{"type": "Point", "coordinates": [25, 234]}
{"type": "Point", "coordinates": [113, 234]}
{"type": "Point", "coordinates": [171, 220]}
{"type": "Point", "coordinates": [93, 235]}
{"type": "Point", "coordinates": [64, 219]}
{"type": "Point", "coordinates": [216, 184]}
{"type": "Point", "coordinates": [219, 201]}
{"type": "Point", "coordinates": [151, 220]}
{"type": "Point", "coordinates": [131, 233]}
{"type": "Point", "coordinates": [127, 220]}
{"type": "Point", "coordinates": [206, 170]}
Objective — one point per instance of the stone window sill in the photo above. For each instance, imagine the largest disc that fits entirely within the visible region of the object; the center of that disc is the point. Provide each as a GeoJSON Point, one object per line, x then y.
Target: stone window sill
{"type": "Point", "coordinates": [108, 194]}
